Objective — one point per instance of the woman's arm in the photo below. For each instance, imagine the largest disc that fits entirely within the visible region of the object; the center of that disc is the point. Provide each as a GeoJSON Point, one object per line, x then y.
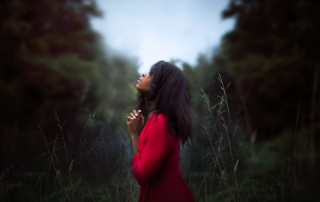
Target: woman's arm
{"type": "Point", "coordinates": [135, 141]}
{"type": "Point", "coordinates": [135, 124]}
{"type": "Point", "coordinates": [157, 145]}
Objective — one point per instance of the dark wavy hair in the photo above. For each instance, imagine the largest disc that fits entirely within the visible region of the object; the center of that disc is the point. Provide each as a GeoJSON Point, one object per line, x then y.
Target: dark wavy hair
{"type": "Point", "coordinates": [170, 92]}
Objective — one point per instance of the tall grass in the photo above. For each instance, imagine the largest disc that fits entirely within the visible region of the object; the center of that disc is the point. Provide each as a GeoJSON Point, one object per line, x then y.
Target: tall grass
{"type": "Point", "coordinates": [225, 152]}
{"type": "Point", "coordinates": [72, 175]}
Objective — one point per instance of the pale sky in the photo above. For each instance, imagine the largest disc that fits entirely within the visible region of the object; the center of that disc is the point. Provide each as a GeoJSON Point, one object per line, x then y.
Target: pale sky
{"type": "Point", "coordinates": [153, 30]}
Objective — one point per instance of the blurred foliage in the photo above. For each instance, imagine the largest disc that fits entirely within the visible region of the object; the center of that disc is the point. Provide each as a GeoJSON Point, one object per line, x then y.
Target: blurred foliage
{"type": "Point", "coordinates": [272, 54]}
{"type": "Point", "coordinates": [51, 60]}
{"type": "Point", "coordinates": [270, 59]}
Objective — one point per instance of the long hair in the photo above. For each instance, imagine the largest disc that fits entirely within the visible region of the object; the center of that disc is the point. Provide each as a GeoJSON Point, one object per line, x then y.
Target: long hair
{"type": "Point", "coordinates": [170, 92]}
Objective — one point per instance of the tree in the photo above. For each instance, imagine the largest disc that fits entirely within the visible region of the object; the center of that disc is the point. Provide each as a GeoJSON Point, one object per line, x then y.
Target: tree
{"type": "Point", "coordinates": [272, 55]}
{"type": "Point", "coordinates": [52, 60]}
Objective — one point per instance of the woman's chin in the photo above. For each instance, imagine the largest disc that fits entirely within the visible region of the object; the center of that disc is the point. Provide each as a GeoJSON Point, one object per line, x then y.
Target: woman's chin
{"type": "Point", "coordinates": [137, 87]}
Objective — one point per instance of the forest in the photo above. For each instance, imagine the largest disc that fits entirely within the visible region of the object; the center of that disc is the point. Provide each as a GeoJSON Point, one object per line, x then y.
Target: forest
{"type": "Point", "coordinates": [65, 98]}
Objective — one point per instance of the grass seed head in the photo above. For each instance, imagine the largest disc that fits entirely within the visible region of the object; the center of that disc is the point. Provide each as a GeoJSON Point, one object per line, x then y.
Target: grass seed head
{"type": "Point", "coordinates": [236, 166]}
{"type": "Point", "coordinates": [222, 173]}
{"type": "Point", "coordinates": [70, 168]}
{"type": "Point", "coordinates": [57, 173]}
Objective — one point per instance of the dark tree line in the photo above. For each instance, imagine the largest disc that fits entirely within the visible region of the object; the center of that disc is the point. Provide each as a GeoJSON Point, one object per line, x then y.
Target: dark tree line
{"type": "Point", "coordinates": [271, 58]}
{"type": "Point", "coordinates": [52, 60]}
{"type": "Point", "coordinates": [271, 61]}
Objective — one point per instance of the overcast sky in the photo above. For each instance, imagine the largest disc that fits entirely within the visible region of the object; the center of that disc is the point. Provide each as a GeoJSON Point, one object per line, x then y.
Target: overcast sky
{"type": "Point", "coordinates": [162, 30]}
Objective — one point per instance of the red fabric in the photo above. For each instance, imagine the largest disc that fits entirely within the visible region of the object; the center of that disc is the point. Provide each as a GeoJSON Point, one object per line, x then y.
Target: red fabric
{"type": "Point", "coordinates": [156, 166]}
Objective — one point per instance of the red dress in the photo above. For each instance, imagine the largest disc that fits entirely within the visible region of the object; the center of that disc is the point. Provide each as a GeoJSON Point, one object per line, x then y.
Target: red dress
{"type": "Point", "coordinates": [156, 166]}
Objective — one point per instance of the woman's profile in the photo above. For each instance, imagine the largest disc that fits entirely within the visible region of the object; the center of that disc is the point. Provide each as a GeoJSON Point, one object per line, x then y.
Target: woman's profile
{"type": "Point", "coordinates": [161, 123]}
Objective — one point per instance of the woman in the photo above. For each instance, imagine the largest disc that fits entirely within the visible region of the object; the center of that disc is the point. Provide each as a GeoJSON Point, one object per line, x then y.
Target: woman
{"type": "Point", "coordinates": [165, 102]}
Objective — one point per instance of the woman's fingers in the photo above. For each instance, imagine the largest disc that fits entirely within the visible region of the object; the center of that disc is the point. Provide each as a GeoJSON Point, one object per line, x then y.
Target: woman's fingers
{"type": "Point", "coordinates": [138, 114]}
{"type": "Point", "coordinates": [135, 113]}
{"type": "Point", "coordinates": [141, 116]}
{"type": "Point", "coordinates": [132, 115]}
{"type": "Point", "coordinates": [128, 119]}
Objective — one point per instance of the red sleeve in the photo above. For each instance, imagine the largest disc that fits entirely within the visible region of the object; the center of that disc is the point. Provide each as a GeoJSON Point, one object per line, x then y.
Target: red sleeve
{"type": "Point", "coordinates": [157, 144]}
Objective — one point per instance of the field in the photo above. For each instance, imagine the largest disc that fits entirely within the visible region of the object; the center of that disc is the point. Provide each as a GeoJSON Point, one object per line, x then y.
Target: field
{"type": "Point", "coordinates": [226, 166]}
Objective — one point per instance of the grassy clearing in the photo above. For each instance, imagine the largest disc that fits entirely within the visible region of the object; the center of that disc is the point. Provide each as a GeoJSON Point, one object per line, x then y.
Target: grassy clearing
{"type": "Point", "coordinates": [228, 168]}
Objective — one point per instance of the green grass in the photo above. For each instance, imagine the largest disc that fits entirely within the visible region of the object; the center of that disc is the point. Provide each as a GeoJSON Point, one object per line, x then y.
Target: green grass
{"type": "Point", "coordinates": [233, 169]}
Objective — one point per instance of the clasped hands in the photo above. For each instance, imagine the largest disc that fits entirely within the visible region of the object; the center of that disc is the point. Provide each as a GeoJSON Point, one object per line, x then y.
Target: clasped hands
{"type": "Point", "coordinates": [135, 123]}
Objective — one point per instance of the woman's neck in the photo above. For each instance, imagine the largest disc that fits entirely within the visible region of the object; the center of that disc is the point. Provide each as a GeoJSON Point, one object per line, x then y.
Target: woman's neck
{"type": "Point", "coordinates": [151, 109]}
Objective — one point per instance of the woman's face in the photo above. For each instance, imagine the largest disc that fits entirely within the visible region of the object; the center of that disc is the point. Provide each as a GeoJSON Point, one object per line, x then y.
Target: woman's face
{"type": "Point", "coordinates": [143, 85]}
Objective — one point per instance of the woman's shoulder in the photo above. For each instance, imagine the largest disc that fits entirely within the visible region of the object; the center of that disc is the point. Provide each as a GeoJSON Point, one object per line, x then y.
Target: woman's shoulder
{"type": "Point", "coordinates": [158, 119]}
{"type": "Point", "coordinates": [161, 117]}
{"type": "Point", "coordinates": [157, 124]}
